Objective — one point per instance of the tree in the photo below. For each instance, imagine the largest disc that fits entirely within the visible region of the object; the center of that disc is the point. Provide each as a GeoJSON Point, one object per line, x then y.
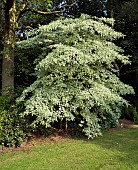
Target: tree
{"type": "Point", "coordinates": [13, 10]}
{"type": "Point", "coordinates": [126, 22]}
{"type": "Point", "coordinates": [90, 7]}
{"type": "Point", "coordinates": [1, 35]}
{"type": "Point", "coordinates": [77, 80]}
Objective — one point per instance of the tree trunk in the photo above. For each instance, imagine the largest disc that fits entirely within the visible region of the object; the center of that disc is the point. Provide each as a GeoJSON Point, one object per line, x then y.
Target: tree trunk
{"type": "Point", "coordinates": [8, 57]}
{"type": "Point", "coordinates": [1, 34]}
{"type": "Point", "coordinates": [10, 17]}
{"type": "Point", "coordinates": [111, 9]}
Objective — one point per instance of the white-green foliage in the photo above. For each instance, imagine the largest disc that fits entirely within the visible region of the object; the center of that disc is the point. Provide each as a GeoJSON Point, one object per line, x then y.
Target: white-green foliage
{"type": "Point", "coordinates": [78, 76]}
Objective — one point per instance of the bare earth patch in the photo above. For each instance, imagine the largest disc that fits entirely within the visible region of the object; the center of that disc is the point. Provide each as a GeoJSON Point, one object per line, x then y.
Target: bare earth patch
{"type": "Point", "coordinates": [35, 139]}
{"type": "Point", "coordinates": [124, 123]}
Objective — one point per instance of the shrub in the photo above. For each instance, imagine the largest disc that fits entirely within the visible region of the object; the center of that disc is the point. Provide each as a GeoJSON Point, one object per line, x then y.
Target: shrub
{"type": "Point", "coordinates": [12, 126]}
{"type": "Point", "coordinates": [135, 116]}
{"type": "Point", "coordinates": [78, 78]}
{"type": "Point", "coordinates": [128, 112]}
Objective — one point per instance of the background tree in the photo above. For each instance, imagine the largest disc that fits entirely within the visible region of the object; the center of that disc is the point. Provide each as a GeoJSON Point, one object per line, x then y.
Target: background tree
{"type": "Point", "coordinates": [126, 21]}
{"type": "Point", "coordinates": [1, 35]}
{"type": "Point", "coordinates": [13, 10]}
{"type": "Point", "coordinates": [91, 7]}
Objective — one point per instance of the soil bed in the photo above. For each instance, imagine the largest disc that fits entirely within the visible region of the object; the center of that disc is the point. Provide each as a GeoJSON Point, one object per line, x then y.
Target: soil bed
{"type": "Point", "coordinates": [57, 137]}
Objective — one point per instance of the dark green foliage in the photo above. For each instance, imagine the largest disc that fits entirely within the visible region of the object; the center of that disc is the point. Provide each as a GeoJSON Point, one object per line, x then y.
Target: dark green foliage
{"type": "Point", "coordinates": [128, 112]}
{"type": "Point", "coordinates": [24, 62]}
{"type": "Point", "coordinates": [13, 128]}
{"type": "Point", "coordinates": [127, 22]}
{"type": "Point", "coordinates": [135, 116]}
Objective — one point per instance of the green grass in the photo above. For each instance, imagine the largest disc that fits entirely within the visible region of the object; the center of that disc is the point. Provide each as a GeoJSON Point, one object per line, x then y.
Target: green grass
{"type": "Point", "coordinates": [115, 150]}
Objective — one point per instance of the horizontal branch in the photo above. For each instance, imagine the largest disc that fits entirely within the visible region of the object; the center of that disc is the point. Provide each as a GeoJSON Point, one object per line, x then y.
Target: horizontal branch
{"type": "Point", "coordinates": [44, 13]}
{"type": "Point", "coordinates": [38, 12]}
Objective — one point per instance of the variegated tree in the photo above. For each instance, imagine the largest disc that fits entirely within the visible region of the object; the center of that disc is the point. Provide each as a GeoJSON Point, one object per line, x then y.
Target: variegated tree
{"type": "Point", "coordinates": [78, 78]}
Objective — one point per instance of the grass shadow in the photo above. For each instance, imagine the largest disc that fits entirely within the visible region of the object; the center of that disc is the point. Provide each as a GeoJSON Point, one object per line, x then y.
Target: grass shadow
{"type": "Point", "coordinates": [122, 141]}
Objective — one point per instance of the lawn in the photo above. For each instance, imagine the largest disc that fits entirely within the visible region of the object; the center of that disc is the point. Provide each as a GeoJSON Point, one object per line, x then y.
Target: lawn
{"type": "Point", "coordinates": [115, 150]}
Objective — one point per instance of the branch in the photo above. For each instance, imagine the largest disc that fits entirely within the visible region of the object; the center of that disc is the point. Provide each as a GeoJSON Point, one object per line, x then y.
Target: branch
{"type": "Point", "coordinates": [37, 12]}
{"type": "Point", "coordinates": [69, 5]}
{"type": "Point", "coordinates": [26, 27]}
{"type": "Point", "coordinates": [21, 8]}
{"type": "Point", "coordinates": [117, 67]}
{"type": "Point", "coordinates": [42, 12]}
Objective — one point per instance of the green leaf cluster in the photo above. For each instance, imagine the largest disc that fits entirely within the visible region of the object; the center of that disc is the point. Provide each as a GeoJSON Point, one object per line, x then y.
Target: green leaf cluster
{"type": "Point", "coordinates": [13, 128]}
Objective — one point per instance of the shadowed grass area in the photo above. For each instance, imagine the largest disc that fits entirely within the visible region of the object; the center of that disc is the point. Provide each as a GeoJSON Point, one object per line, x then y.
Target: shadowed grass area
{"type": "Point", "coordinates": [115, 150]}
